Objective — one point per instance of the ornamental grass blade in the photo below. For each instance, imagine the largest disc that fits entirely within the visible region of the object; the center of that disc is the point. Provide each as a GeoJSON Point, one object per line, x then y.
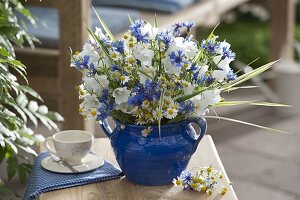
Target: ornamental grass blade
{"type": "Point", "coordinates": [242, 87]}
{"type": "Point", "coordinates": [253, 103]}
{"type": "Point", "coordinates": [102, 45]}
{"type": "Point", "coordinates": [186, 97]}
{"type": "Point", "coordinates": [247, 123]}
{"type": "Point", "coordinates": [129, 18]}
{"type": "Point", "coordinates": [155, 21]}
{"type": "Point", "coordinates": [197, 57]}
{"type": "Point", "coordinates": [105, 27]}
{"type": "Point", "coordinates": [249, 75]}
{"type": "Point", "coordinates": [161, 101]}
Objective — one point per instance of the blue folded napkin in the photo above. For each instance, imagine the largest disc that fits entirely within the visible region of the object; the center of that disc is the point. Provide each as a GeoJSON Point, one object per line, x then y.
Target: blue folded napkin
{"type": "Point", "coordinates": [42, 180]}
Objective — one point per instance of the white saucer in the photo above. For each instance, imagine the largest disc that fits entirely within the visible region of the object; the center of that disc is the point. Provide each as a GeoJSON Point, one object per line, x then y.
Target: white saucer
{"type": "Point", "coordinates": [89, 163]}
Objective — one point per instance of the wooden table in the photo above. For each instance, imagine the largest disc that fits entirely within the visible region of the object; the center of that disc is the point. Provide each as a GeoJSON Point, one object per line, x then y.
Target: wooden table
{"type": "Point", "coordinates": [122, 189]}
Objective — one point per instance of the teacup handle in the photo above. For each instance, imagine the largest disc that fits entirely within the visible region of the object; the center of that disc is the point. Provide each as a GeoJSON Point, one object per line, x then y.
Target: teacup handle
{"type": "Point", "coordinates": [201, 122]}
{"type": "Point", "coordinates": [48, 147]}
{"type": "Point", "coordinates": [106, 128]}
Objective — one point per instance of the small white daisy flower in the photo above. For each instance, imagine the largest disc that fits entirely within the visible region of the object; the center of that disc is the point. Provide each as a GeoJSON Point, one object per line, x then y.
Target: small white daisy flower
{"type": "Point", "coordinates": [146, 131]}
{"type": "Point", "coordinates": [170, 113]}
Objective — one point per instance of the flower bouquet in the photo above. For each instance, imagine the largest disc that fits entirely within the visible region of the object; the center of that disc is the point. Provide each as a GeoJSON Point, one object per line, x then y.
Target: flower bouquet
{"type": "Point", "coordinates": [153, 82]}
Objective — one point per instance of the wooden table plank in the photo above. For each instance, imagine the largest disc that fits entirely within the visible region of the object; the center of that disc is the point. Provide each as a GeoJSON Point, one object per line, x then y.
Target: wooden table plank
{"type": "Point", "coordinates": [206, 154]}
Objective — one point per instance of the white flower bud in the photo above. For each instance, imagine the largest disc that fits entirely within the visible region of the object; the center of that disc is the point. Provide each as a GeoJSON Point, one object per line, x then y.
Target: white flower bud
{"type": "Point", "coordinates": [43, 109]}
{"type": "Point", "coordinates": [33, 106]}
{"type": "Point", "coordinates": [22, 100]}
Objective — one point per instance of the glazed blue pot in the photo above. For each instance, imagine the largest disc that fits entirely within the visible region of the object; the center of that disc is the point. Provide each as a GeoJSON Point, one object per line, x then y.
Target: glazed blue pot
{"type": "Point", "coordinates": [154, 160]}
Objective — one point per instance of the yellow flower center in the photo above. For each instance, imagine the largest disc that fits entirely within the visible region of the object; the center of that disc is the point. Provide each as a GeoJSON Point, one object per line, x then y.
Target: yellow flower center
{"type": "Point", "coordinates": [93, 112]}
{"type": "Point", "coordinates": [178, 182]}
{"type": "Point", "coordinates": [122, 78]}
{"type": "Point", "coordinates": [130, 44]}
{"type": "Point", "coordinates": [130, 60]}
{"type": "Point", "coordinates": [80, 110]}
{"type": "Point", "coordinates": [113, 55]}
{"type": "Point", "coordinates": [170, 112]}
{"type": "Point", "coordinates": [125, 36]}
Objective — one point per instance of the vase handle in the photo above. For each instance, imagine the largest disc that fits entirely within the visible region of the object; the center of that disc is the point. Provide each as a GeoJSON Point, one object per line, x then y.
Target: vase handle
{"type": "Point", "coordinates": [201, 122]}
{"type": "Point", "coordinates": [106, 128]}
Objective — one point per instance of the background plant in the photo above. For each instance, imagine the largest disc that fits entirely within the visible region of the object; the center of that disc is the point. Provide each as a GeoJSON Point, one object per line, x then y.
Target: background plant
{"type": "Point", "coordinates": [18, 103]}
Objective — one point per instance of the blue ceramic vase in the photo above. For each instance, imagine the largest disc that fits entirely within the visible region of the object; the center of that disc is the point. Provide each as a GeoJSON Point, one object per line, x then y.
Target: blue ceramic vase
{"type": "Point", "coordinates": [154, 160]}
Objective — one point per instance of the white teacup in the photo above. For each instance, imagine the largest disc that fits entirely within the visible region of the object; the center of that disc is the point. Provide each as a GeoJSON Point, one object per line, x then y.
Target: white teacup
{"type": "Point", "coordinates": [71, 145]}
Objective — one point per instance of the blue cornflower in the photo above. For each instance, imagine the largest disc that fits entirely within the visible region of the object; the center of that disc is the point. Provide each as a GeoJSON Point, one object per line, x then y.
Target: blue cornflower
{"type": "Point", "coordinates": [135, 29]}
{"type": "Point", "coordinates": [176, 29]}
{"type": "Point", "coordinates": [166, 38]}
{"type": "Point", "coordinates": [187, 107]}
{"type": "Point", "coordinates": [231, 75]}
{"type": "Point", "coordinates": [210, 45]}
{"type": "Point", "coordinates": [82, 64]}
{"type": "Point", "coordinates": [104, 96]}
{"type": "Point", "coordinates": [227, 53]}
{"type": "Point", "coordinates": [118, 46]}
{"type": "Point", "coordinates": [186, 176]}
{"type": "Point", "coordinates": [177, 58]}
{"type": "Point", "coordinates": [188, 25]}
{"type": "Point", "coordinates": [114, 68]}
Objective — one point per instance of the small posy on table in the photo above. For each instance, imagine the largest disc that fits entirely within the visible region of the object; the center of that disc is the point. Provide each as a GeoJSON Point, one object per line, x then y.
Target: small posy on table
{"type": "Point", "coordinates": [121, 189]}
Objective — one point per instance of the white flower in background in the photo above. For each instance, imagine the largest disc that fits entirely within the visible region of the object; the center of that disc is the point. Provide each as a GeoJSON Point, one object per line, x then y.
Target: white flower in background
{"type": "Point", "coordinates": [150, 30]}
{"type": "Point", "coordinates": [121, 95]}
{"type": "Point", "coordinates": [43, 110]}
{"type": "Point", "coordinates": [170, 113]}
{"type": "Point", "coordinates": [219, 75]}
{"type": "Point", "coordinates": [188, 88]}
{"type": "Point", "coordinates": [22, 100]}
{"type": "Point", "coordinates": [190, 48]}
{"type": "Point", "coordinates": [124, 79]}
{"type": "Point", "coordinates": [88, 50]}
{"type": "Point", "coordinates": [171, 69]}
{"type": "Point", "coordinates": [200, 105]}
{"type": "Point", "coordinates": [148, 70]}
{"type": "Point", "coordinates": [177, 44]}
{"type": "Point", "coordinates": [222, 63]}
{"type": "Point", "coordinates": [88, 108]}
{"type": "Point", "coordinates": [39, 138]}
{"type": "Point", "coordinates": [156, 113]}
{"type": "Point", "coordinates": [99, 33]}
{"type": "Point", "coordinates": [143, 54]}
{"type": "Point", "coordinates": [116, 75]}
{"type": "Point", "coordinates": [146, 131]}
{"type": "Point", "coordinates": [125, 108]}
{"type": "Point", "coordinates": [96, 83]}
{"type": "Point", "coordinates": [33, 106]}
{"type": "Point", "coordinates": [27, 130]}
{"type": "Point", "coordinates": [202, 70]}
{"type": "Point", "coordinates": [211, 96]}
{"type": "Point", "coordinates": [26, 141]}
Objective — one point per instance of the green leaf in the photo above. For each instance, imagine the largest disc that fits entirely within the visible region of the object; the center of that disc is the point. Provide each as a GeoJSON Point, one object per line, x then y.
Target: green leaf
{"type": "Point", "coordinates": [22, 173]}
{"type": "Point", "coordinates": [31, 116]}
{"type": "Point", "coordinates": [2, 153]}
{"type": "Point", "coordinates": [186, 97]}
{"type": "Point", "coordinates": [247, 123]}
{"type": "Point", "coordinates": [54, 116]}
{"type": "Point", "coordinates": [12, 167]}
{"type": "Point", "coordinates": [105, 27]}
{"type": "Point", "coordinates": [29, 90]}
